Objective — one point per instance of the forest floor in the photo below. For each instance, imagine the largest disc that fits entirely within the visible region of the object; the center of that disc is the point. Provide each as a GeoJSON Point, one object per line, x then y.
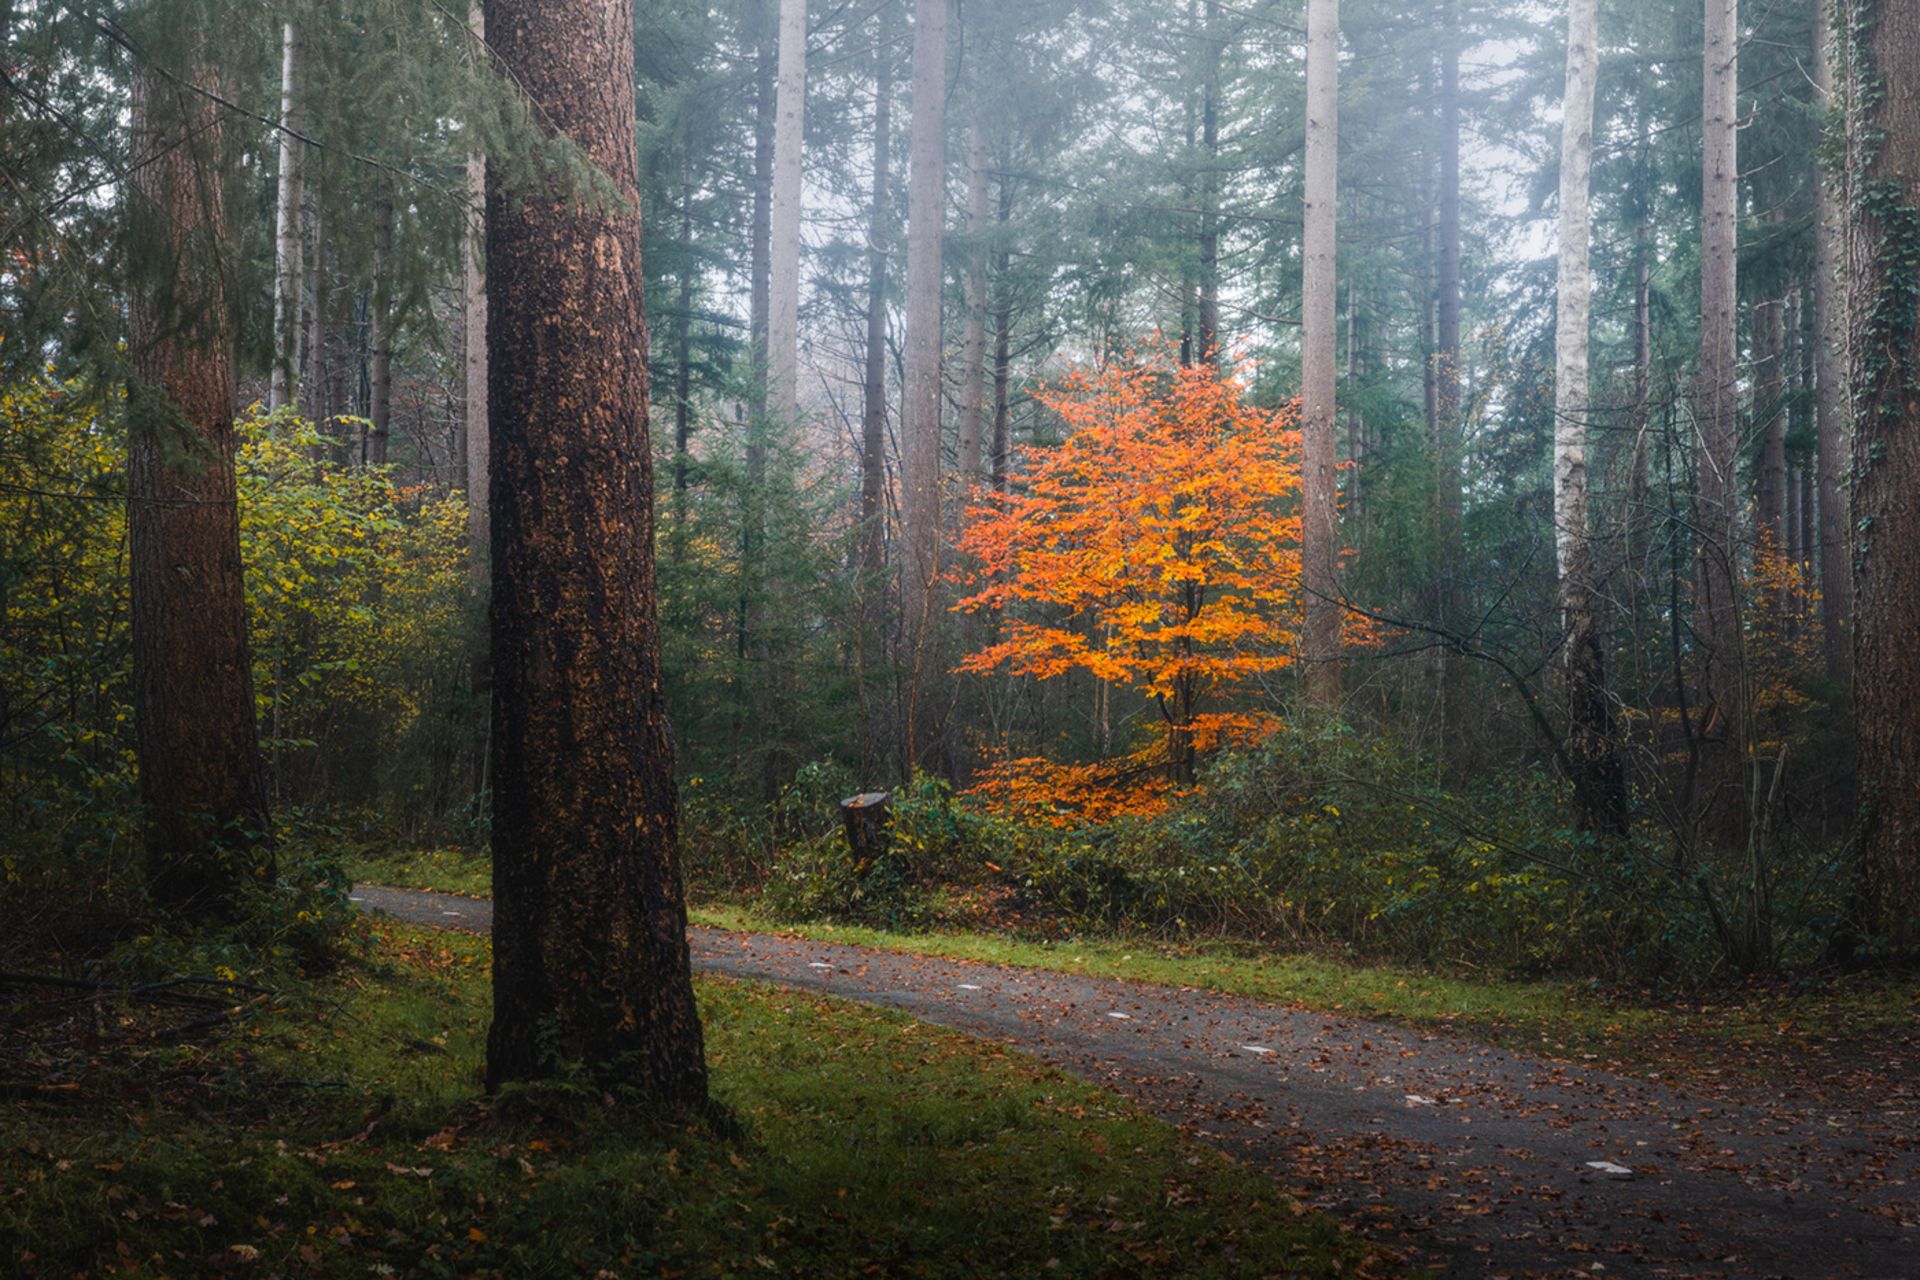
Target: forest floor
{"type": "Point", "coordinates": [1477, 1160]}
{"type": "Point", "coordinates": [339, 1128]}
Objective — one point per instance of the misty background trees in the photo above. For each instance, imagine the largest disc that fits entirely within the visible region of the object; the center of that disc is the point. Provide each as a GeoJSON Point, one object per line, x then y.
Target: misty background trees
{"type": "Point", "coordinates": [1598, 318]}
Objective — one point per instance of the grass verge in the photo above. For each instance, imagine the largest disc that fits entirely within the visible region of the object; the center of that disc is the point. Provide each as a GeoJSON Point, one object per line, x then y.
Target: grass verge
{"type": "Point", "coordinates": [1755, 1030]}
{"type": "Point", "coordinates": [343, 1132]}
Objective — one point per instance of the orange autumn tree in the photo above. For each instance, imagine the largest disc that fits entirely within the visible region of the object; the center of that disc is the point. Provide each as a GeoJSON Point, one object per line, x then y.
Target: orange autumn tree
{"type": "Point", "coordinates": [1156, 548]}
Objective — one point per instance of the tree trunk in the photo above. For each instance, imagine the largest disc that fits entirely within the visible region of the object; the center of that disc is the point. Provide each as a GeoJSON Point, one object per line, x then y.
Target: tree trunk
{"type": "Point", "coordinates": [873, 418]}
{"type": "Point", "coordinates": [1320, 522]}
{"type": "Point", "coordinates": [1209, 300]}
{"type": "Point", "coordinates": [1002, 345]}
{"type": "Point", "coordinates": [1599, 783]}
{"type": "Point", "coordinates": [973, 347]}
{"type": "Point", "coordinates": [380, 327]}
{"type": "Point", "coordinates": [1885, 351]}
{"type": "Point", "coordinates": [1769, 410]}
{"type": "Point", "coordinates": [1830, 397]}
{"type": "Point", "coordinates": [1447, 426]}
{"type": "Point", "coordinates": [284, 381]}
{"type": "Point", "coordinates": [1715, 397]}
{"type": "Point", "coordinates": [474, 305]}
{"type": "Point", "coordinates": [920, 408]}
{"type": "Point", "coordinates": [789, 134]}
{"type": "Point", "coordinates": [319, 406]}
{"type": "Point", "coordinates": [195, 741]}
{"type": "Point", "coordinates": [683, 370]}
{"type": "Point", "coordinates": [589, 937]}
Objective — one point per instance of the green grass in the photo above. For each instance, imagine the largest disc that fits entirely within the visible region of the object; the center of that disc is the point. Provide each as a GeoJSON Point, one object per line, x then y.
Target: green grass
{"type": "Point", "coordinates": [1548, 1018]}
{"type": "Point", "coordinates": [467, 871]}
{"type": "Point", "coordinates": [344, 1132]}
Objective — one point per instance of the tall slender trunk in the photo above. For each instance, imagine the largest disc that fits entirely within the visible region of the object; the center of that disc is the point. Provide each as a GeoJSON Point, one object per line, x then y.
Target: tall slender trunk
{"type": "Point", "coordinates": [1830, 399]}
{"type": "Point", "coordinates": [683, 369]}
{"type": "Point", "coordinates": [473, 297]}
{"type": "Point", "coordinates": [1447, 426]}
{"type": "Point", "coordinates": [380, 330]}
{"type": "Point", "coordinates": [1356, 424]}
{"type": "Point", "coordinates": [1715, 396]}
{"type": "Point", "coordinates": [1599, 782]}
{"type": "Point", "coordinates": [783, 247]}
{"type": "Point", "coordinates": [748, 640]}
{"type": "Point", "coordinates": [873, 418]}
{"type": "Point", "coordinates": [1769, 408]}
{"type": "Point", "coordinates": [319, 405]}
{"type": "Point", "coordinates": [284, 381]}
{"type": "Point", "coordinates": [1208, 318]}
{"type": "Point", "coordinates": [1885, 353]}
{"type": "Point", "coordinates": [590, 961]}
{"type": "Point", "coordinates": [1320, 522]}
{"type": "Point", "coordinates": [973, 346]}
{"type": "Point", "coordinates": [1639, 513]}
{"type": "Point", "coordinates": [1002, 343]}
{"type": "Point", "coordinates": [195, 740]}
{"type": "Point", "coordinates": [920, 407]}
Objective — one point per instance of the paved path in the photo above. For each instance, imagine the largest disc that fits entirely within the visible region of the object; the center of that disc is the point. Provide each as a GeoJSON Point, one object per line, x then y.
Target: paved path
{"type": "Point", "coordinates": [1476, 1161]}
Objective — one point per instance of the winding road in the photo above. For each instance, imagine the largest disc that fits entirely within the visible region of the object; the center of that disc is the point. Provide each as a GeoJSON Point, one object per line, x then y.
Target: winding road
{"type": "Point", "coordinates": [1472, 1160]}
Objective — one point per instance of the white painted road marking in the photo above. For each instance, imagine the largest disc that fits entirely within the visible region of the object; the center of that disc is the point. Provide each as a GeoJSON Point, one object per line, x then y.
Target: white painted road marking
{"type": "Point", "coordinates": [1118, 1014]}
{"type": "Point", "coordinates": [970, 986]}
{"type": "Point", "coordinates": [818, 965]}
{"type": "Point", "coordinates": [1256, 1048]}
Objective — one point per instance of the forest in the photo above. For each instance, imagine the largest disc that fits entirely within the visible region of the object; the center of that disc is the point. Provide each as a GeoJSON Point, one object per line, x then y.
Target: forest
{"type": "Point", "coordinates": [960, 637]}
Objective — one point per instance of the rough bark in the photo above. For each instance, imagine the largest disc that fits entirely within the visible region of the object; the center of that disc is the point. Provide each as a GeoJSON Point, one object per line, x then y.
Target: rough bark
{"type": "Point", "coordinates": [589, 935]}
{"type": "Point", "coordinates": [1320, 522]}
{"type": "Point", "coordinates": [1830, 400]}
{"type": "Point", "coordinates": [473, 297]}
{"type": "Point", "coordinates": [1599, 784]}
{"type": "Point", "coordinates": [284, 380]}
{"type": "Point", "coordinates": [1716, 611]}
{"type": "Point", "coordinates": [973, 345]}
{"type": "Point", "coordinates": [783, 246]}
{"type": "Point", "coordinates": [1884, 345]}
{"type": "Point", "coordinates": [206, 827]}
{"type": "Point", "coordinates": [920, 407]}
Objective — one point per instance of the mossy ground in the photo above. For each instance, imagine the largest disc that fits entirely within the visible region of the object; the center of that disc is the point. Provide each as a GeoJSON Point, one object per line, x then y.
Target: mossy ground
{"type": "Point", "coordinates": [341, 1130]}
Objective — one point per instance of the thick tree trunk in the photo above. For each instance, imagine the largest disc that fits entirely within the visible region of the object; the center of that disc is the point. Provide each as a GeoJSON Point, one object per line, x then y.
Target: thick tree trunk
{"type": "Point", "coordinates": [195, 740]}
{"type": "Point", "coordinates": [973, 346]}
{"type": "Point", "coordinates": [589, 937]}
{"type": "Point", "coordinates": [873, 418]}
{"type": "Point", "coordinates": [473, 296]}
{"type": "Point", "coordinates": [1320, 522]}
{"type": "Point", "coordinates": [1885, 349]}
{"type": "Point", "coordinates": [1830, 397]}
{"type": "Point", "coordinates": [783, 246]}
{"type": "Point", "coordinates": [1716, 507]}
{"type": "Point", "coordinates": [284, 381]}
{"type": "Point", "coordinates": [380, 328]}
{"type": "Point", "coordinates": [920, 407]}
{"type": "Point", "coordinates": [1599, 783]}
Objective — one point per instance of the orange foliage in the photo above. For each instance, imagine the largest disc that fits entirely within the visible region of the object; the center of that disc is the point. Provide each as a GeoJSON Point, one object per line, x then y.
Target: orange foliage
{"type": "Point", "coordinates": [1156, 548]}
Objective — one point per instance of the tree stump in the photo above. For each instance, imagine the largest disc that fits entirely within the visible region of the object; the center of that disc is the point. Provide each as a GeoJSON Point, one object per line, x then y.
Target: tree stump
{"type": "Point", "coordinates": [865, 818]}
